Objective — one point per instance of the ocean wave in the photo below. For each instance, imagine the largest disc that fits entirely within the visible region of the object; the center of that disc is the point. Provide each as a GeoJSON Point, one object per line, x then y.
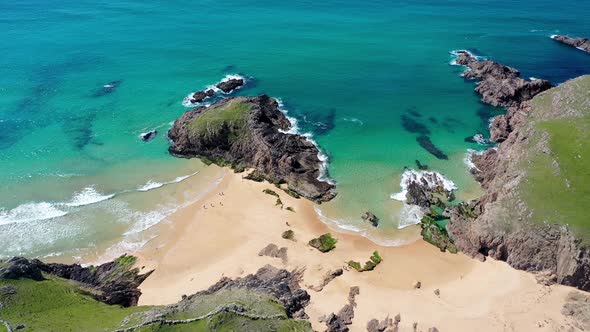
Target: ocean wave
{"type": "Point", "coordinates": [150, 185]}
{"type": "Point", "coordinates": [294, 128]}
{"type": "Point", "coordinates": [411, 175]}
{"type": "Point", "coordinates": [467, 160]}
{"type": "Point", "coordinates": [409, 215]}
{"type": "Point", "coordinates": [353, 120]}
{"type": "Point", "coordinates": [29, 212]}
{"type": "Point", "coordinates": [87, 196]}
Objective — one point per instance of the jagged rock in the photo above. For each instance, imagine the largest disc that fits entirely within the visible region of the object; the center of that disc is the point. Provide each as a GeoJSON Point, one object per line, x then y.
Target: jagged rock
{"type": "Point", "coordinates": [426, 189]}
{"type": "Point", "coordinates": [385, 325]}
{"type": "Point", "coordinates": [250, 132]}
{"type": "Point", "coordinates": [370, 217]}
{"type": "Point", "coordinates": [199, 96]}
{"type": "Point", "coordinates": [150, 135]}
{"type": "Point", "coordinates": [272, 250]}
{"type": "Point", "coordinates": [579, 43]}
{"type": "Point", "coordinates": [499, 85]}
{"type": "Point", "coordinates": [331, 275]}
{"type": "Point", "coordinates": [278, 283]}
{"type": "Point", "coordinates": [229, 85]}
{"type": "Point", "coordinates": [338, 322]}
{"type": "Point", "coordinates": [22, 268]}
{"type": "Point", "coordinates": [114, 282]}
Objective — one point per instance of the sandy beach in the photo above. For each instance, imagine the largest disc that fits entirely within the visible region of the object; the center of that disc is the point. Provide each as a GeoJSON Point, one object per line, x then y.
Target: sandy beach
{"type": "Point", "coordinates": [222, 234]}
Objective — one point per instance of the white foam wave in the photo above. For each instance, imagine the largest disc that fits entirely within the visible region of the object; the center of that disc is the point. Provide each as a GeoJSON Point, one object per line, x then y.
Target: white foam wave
{"type": "Point", "coordinates": [409, 215]}
{"type": "Point", "coordinates": [87, 196]}
{"type": "Point", "coordinates": [29, 212]}
{"type": "Point", "coordinates": [150, 185]}
{"type": "Point", "coordinates": [433, 179]}
{"type": "Point", "coordinates": [455, 54]}
{"type": "Point", "coordinates": [186, 102]}
{"type": "Point", "coordinates": [467, 160]}
{"type": "Point", "coordinates": [553, 36]}
{"type": "Point", "coordinates": [353, 120]}
{"type": "Point", "coordinates": [294, 129]}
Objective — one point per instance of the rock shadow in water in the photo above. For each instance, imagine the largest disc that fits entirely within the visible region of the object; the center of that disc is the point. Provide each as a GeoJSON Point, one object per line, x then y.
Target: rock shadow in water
{"type": "Point", "coordinates": [427, 144]}
{"type": "Point", "coordinates": [413, 126]}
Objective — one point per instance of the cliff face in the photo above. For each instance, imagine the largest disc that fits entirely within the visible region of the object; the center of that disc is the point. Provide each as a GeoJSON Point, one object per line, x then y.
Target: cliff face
{"type": "Point", "coordinates": [250, 132]}
{"type": "Point", "coordinates": [579, 43]}
{"type": "Point", "coordinates": [531, 215]}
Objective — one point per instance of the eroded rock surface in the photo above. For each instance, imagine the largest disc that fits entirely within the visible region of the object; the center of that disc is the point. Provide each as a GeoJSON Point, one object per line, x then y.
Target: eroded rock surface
{"type": "Point", "coordinates": [251, 132]}
{"type": "Point", "coordinates": [582, 44]}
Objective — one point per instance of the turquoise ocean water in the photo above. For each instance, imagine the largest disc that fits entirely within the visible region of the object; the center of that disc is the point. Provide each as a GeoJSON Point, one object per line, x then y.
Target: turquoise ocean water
{"type": "Point", "coordinates": [74, 175]}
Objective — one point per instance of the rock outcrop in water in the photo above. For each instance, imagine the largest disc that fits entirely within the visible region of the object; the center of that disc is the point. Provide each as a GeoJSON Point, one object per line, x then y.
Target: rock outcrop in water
{"type": "Point", "coordinates": [582, 44]}
{"type": "Point", "coordinates": [499, 85]}
{"type": "Point", "coordinates": [250, 132]}
{"type": "Point", "coordinates": [115, 282]}
{"type": "Point", "coordinates": [502, 224]}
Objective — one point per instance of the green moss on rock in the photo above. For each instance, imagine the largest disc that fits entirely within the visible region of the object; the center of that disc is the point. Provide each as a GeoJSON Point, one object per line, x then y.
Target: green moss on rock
{"type": "Point", "coordinates": [324, 243]}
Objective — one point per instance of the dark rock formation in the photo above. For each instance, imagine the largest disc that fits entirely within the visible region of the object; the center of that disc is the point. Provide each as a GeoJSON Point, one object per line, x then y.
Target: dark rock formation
{"type": "Point", "coordinates": [427, 189]}
{"type": "Point", "coordinates": [272, 250]}
{"type": "Point", "coordinates": [150, 135]}
{"type": "Point", "coordinates": [331, 275]}
{"type": "Point", "coordinates": [108, 88]}
{"type": "Point", "coordinates": [370, 217]}
{"type": "Point", "coordinates": [338, 322]}
{"type": "Point", "coordinates": [249, 132]}
{"type": "Point", "coordinates": [413, 126]}
{"type": "Point", "coordinates": [502, 125]}
{"type": "Point", "coordinates": [199, 96]}
{"type": "Point", "coordinates": [282, 285]}
{"type": "Point", "coordinates": [230, 85]}
{"type": "Point", "coordinates": [421, 166]}
{"type": "Point", "coordinates": [499, 85]}
{"type": "Point", "coordinates": [579, 43]}
{"type": "Point", "coordinates": [427, 144]}
{"type": "Point", "coordinates": [112, 283]}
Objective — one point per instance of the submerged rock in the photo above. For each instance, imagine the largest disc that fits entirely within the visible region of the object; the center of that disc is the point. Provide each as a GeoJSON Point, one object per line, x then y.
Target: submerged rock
{"type": "Point", "coordinates": [499, 85]}
{"type": "Point", "coordinates": [427, 144]}
{"type": "Point", "coordinates": [108, 88]}
{"type": "Point", "coordinates": [251, 132]}
{"type": "Point", "coordinates": [370, 217]}
{"type": "Point", "coordinates": [579, 43]}
{"type": "Point", "coordinates": [150, 135]}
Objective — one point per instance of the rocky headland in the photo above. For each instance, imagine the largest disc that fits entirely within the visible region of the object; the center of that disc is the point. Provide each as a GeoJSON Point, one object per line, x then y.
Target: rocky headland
{"type": "Point", "coordinates": [530, 213]}
{"type": "Point", "coordinates": [499, 85]}
{"type": "Point", "coordinates": [582, 44]}
{"type": "Point", "coordinates": [251, 132]}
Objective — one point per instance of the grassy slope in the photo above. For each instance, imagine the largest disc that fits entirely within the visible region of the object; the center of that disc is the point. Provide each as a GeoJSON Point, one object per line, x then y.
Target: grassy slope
{"type": "Point", "coordinates": [59, 305]}
{"type": "Point", "coordinates": [233, 114]}
{"type": "Point", "coordinates": [557, 186]}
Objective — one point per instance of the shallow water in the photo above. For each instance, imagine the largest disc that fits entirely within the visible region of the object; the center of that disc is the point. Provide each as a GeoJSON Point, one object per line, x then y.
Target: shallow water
{"type": "Point", "coordinates": [346, 70]}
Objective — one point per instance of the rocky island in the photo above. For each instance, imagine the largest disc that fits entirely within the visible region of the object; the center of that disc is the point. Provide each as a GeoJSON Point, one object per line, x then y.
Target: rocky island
{"type": "Point", "coordinates": [534, 181]}
{"type": "Point", "coordinates": [250, 132]}
{"type": "Point", "coordinates": [582, 44]}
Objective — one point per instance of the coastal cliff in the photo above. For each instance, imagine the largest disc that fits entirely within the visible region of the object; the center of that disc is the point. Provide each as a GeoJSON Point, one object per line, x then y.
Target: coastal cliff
{"type": "Point", "coordinates": [582, 44]}
{"type": "Point", "coordinates": [250, 132]}
{"type": "Point", "coordinates": [532, 214]}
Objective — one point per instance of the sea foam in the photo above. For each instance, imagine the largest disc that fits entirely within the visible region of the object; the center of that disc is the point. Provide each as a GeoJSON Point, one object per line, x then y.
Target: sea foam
{"type": "Point", "coordinates": [87, 196]}
{"type": "Point", "coordinates": [186, 102]}
{"type": "Point", "coordinates": [29, 212]}
{"type": "Point", "coordinates": [150, 185]}
{"type": "Point", "coordinates": [411, 175]}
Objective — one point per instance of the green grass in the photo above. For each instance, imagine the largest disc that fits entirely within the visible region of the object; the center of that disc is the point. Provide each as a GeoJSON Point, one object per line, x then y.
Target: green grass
{"type": "Point", "coordinates": [126, 262]}
{"type": "Point", "coordinates": [557, 186]}
{"type": "Point", "coordinates": [324, 243]}
{"type": "Point", "coordinates": [233, 114]}
{"type": "Point", "coordinates": [59, 305]}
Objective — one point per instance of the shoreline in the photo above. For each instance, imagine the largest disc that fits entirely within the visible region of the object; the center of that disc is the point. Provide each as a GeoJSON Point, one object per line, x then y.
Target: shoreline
{"type": "Point", "coordinates": [221, 235]}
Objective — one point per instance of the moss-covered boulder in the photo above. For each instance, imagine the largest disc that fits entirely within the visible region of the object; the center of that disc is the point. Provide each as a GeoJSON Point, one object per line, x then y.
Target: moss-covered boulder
{"type": "Point", "coordinates": [324, 243]}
